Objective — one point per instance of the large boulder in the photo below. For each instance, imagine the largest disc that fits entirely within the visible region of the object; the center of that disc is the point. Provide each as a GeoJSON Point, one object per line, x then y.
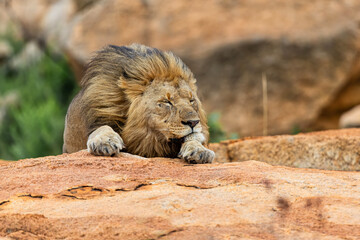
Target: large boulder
{"type": "Point", "coordinates": [308, 52]}
{"type": "Point", "coordinates": [46, 21]}
{"type": "Point", "coordinates": [331, 150]}
{"type": "Point", "coordinates": [75, 196]}
{"type": "Point", "coordinates": [350, 118]}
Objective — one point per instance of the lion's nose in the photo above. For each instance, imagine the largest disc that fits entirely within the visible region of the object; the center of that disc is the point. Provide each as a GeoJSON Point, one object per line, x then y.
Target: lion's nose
{"type": "Point", "coordinates": [191, 123]}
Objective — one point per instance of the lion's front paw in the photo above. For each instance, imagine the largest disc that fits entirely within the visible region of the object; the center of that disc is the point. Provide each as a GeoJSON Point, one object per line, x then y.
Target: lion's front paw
{"type": "Point", "coordinates": [104, 141]}
{"type": "Point", "coordinates": [195, 152]}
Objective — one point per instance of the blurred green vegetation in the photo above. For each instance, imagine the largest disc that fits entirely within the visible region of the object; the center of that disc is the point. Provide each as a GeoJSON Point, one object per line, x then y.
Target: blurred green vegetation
{"type": "Point", "coordinates": [217, 133]}
{"type": "Point", "coordinates": [32, 123]}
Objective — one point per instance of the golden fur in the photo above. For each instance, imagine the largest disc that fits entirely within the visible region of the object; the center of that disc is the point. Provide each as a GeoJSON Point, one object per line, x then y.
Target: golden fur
{"type": "Point", "coordinates": [147, 97]}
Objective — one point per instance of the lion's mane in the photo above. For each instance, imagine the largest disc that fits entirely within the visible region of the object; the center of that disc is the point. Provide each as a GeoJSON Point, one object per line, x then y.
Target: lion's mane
{"type": "Point", "coordinates": [112, 86]}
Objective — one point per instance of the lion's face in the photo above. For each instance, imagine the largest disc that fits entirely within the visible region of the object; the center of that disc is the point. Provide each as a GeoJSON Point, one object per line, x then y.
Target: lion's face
{"type": "Point", "coordinates": [172, 109]}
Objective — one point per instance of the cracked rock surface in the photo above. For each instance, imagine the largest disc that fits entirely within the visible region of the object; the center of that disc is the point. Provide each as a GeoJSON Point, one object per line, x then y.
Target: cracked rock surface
{"type": "Point", "coordinates": [80, 196]}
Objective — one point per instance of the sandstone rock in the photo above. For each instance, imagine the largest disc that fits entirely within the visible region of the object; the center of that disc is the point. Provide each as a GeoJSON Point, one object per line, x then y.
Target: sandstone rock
{"type": "Point", "coordinates": [308, 51]}
{"type": "Point", "coordinates": [45, 20]}
{"type": "Point", "coordinates": [6, 24]}
{"type": "Point", "coordinates": [350, 118]}
{"type": "Point", "coordinates": [28, 16]}
{"type": "Point", "coordinates": [4, 162]}
{"type": "Point", "coordinates": [331, 150]}
{"type": "Point", "coordinates": [74, 196]}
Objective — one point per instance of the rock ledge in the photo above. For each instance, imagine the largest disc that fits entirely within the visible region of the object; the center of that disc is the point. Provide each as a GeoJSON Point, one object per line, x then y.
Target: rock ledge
{"type": "Point", "coordinates": [77, 195]}
{"type": "Point", "coordinates": [330, 150]}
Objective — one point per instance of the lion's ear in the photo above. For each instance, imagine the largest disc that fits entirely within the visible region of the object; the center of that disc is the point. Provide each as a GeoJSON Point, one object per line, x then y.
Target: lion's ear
{"type": "Point", "coordinates": [133, 88]}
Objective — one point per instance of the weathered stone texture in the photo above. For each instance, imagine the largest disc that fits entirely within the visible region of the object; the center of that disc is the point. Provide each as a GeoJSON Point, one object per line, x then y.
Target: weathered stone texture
{"type": "Point", "coordinates": [77, 195]}
{"type": "Point", "coordinates": [331, 150]}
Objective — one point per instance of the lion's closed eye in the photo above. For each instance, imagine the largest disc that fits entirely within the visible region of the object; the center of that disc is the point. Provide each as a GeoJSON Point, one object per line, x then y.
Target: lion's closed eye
{"type": "Point", "coordinates": [168, 102]}
{"type": "Point", "coordinates": [165, 104]}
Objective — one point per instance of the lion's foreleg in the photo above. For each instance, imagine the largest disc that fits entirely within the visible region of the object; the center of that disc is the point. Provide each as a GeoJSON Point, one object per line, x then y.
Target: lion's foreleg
{"type": "Point", "coordinates": [193, 151]}
{"type": "Point", "coordinates": [104, 141]}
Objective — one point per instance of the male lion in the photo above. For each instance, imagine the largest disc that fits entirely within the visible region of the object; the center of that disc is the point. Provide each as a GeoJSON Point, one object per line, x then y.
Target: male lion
{"type": "Point", "coordinates": [140, 99]}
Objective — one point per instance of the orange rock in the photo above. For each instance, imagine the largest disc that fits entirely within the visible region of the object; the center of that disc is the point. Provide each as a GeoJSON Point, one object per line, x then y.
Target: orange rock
{"type": "Point", "coordinates": [350, 118]}
{"type": "Point", "coordinates": [77, 195]}
{"type": "Point", "coordinates": [331, 150]}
